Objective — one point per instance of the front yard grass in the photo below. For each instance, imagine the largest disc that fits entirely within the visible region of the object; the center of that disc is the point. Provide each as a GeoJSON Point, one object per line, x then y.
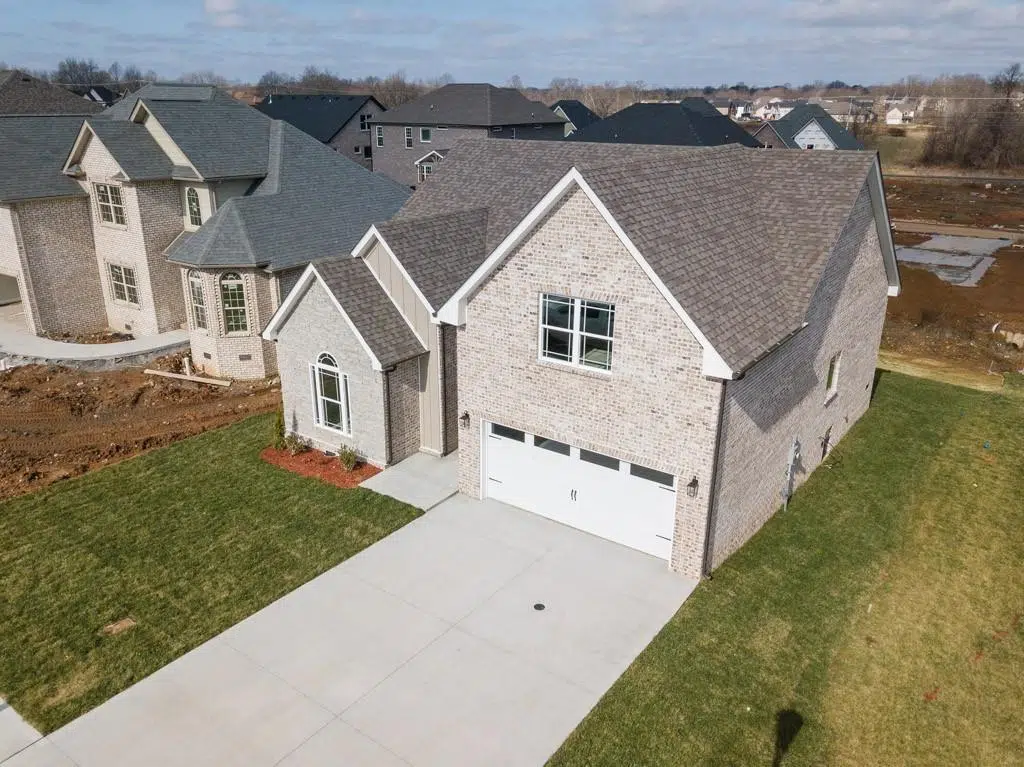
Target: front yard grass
{"type": "Point", "coordinates": [876, 622]}
{"type": "Point", "coordinates": [186, 541]}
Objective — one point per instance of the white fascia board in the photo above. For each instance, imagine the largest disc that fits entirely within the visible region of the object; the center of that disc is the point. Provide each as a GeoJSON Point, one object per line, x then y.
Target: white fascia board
{"type": "Point", "coordinates": [73, 155]}
{"type": "Point", "coordinates": [454, 310]}
{"type": "Point", "coordinates": [881, 211]}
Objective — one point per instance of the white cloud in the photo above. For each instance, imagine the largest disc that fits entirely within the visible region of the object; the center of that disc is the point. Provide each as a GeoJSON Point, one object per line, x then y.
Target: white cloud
{"type": "Point", "coordinates": [224, 13]}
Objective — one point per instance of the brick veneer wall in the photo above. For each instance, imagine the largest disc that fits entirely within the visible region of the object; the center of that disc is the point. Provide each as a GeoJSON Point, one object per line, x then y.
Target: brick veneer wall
{"type": "Point", "coordinates": [450, 387]}
{"type": "Point", "coordinates": [242, 355]}
{"type": "Point", "coordinates": [316, 326]}
{"type": "Point", "coordinates": [655, 408]}
{"type": "Point", "coordinates": [404, 409]}
{"type": "Point", "coordinates": [783, 397]}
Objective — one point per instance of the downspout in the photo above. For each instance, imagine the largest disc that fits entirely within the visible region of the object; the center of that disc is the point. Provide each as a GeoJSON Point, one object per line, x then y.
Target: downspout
{"type": "Point", "coordinates": [713, 503]}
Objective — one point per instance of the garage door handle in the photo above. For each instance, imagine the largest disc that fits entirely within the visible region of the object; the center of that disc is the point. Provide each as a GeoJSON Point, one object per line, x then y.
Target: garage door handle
{"type": "Point", "coordinates": [663, 538]}
{"type": "Point", "coordinates": [572, 495]}
{"type": "Point", "coordinates": [492, 479]}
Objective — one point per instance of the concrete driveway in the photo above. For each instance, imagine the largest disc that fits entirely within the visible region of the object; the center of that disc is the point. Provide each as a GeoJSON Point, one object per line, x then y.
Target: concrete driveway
{"type": "Point", "coordinates": [428, 648]}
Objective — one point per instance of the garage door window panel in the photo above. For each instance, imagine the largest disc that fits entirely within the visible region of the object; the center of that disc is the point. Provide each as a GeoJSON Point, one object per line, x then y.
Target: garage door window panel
{"type": "Point", "coordinates": [507, 433]}
{"type": "Point", "coordinates": [552, 445]}
{"type": "Point", "coordinates": [652, 475]}
{"type": "Point", "coordinates": [599, 459]}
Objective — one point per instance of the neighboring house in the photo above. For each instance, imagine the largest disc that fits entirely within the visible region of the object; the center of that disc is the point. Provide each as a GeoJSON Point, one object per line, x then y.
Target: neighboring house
{"type": "Point", "coordinates": [722, 105]}
{"type": "Point", "coordinates": [777, 108]}
{"type": "Point", "coordinates": [691, 122]}
{"type": "Point", "coordinates": [900, 112]}
{"type": "Point", "coordinates": [341, 122]}
{"type": "Point", "coordinates": [98, 94]}
{"type": "Point", "coordinates": [845, 112]}
{"type": "Point", "coordinates": [177, 207]}
{"type": "Point", "coordinates": [436, 120]}
{"type": "Point", "coordinates": [741, 110]}
{"type": "Point", "coordinates": [620, 338]}
{"type": "Point", "coordinates": [807, 127]}
{"type": "Point", "coordinates": [22, 94]}
{"type": "Point", "coordinates": [577, 115]}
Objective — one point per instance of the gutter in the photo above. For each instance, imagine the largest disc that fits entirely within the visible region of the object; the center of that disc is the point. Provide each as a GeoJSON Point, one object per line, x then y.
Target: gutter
{"type": "Point", "coordinates": [713, 502]}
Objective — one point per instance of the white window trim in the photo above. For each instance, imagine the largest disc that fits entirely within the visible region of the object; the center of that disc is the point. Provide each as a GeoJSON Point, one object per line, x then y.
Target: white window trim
{"type": "Point", "coordinates": [380, 136]}
{"type": "Point", "coordinates": [426, 140]}
{"type": "Point", "coordinates": [577, 334]}
{"type": "Point", "coordinates": [365, 119]}
{"type": "Point", "coordinates": [831, 392]}
{"type": "Point", "coordinates": [423, 170]}
{"type": "Point", "coordinates": [194, 278]}
{"type": "Point", "coordinates": [345, 403]}
{"type": "Point", "coordinates": [408, 137]}
{"type": "Point", "coordinates": [244, 307]}
{"type": "Point", "coordinates": [113, 283]}
{"type": "Point", "coordinates": [99, 206]}
{"type": "Point", "coordinates": [192, 225]}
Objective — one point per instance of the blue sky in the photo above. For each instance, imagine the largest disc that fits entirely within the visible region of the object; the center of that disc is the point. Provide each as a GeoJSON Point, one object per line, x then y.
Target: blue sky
{"type": "Point", "coordinates": [662, 42]}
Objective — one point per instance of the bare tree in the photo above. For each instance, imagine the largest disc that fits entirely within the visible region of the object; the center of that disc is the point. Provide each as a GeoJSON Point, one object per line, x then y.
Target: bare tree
{"type": "Point", "coordinates": [203, 77]}
{"type": "Point", "coordinates": [72, 71]}
{"type": "Point", "coordinates": [1008, 81]}
{"type": "Point", "coordinates": [515, 81]}
{"type": "Point", "coordinates": [273, 79]}
{"type": "Point", "coordinates": [394, 90]}
{"type": "Point", "coordinates": [602, 98]}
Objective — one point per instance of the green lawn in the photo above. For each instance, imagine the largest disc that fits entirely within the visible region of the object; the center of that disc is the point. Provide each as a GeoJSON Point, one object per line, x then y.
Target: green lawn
{"type": "Point", "coordinates": [186, 540]}
{"type": "Point", "coordinates": [879, 619]}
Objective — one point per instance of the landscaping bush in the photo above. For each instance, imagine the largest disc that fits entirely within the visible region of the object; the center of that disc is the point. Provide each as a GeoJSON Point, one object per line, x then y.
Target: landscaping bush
{"type": "Point", "coordinates": [279, 441]}
{"type": "Point", "coordinates": [295, 444]}
{"type": "Point", "coordinates": [348, 458]}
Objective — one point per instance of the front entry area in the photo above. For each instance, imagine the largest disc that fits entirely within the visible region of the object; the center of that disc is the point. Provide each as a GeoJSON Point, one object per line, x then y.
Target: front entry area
{"type": "Point", "coordinates": [603, 495]}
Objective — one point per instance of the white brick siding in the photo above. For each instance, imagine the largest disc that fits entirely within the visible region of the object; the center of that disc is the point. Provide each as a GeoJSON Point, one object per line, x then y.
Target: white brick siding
{"type": "Point", "coordinates": [655, 408]}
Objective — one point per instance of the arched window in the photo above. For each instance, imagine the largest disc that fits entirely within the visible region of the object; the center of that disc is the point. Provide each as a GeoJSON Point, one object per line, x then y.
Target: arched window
{"type": "Point", "coordinates": [198, 300]}
{"type": "Point", "coordinates": [232, 299]}
{"type": "Point", "coordinates": [195, 213]}
{"type": "Point", "coordinates": [330, 395]}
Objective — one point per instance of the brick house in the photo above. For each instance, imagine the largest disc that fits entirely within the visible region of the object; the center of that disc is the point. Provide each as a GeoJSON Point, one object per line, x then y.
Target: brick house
{"type": "Point", "coordinates": [621, 338]}
{"type": "Point", "coordinates": [340, 121]}
{"type": "Point", "coordinates": [181, 207]}
{"type": "Point", "coordinates": [405, 137]}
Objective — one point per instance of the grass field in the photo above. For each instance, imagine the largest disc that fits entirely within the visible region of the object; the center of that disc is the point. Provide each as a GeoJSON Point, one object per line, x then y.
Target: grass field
{"type": "Point", "coordinates": [186, 541]}
{"type": "Point", "coordinates": [877, 622]}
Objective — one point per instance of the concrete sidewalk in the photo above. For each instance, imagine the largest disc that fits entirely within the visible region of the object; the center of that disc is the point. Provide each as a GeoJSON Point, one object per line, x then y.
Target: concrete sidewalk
{"type": "Point", "coordinates": [478, 634]}
{"type": "Point", "coordinates": [15, 733]}
{"type": "Point", "coordinates": [420, 480]}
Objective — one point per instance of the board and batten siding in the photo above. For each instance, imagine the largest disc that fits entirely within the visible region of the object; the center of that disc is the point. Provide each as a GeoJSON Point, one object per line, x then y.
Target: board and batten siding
{"type": "Point", "coordinates": [418, 316]}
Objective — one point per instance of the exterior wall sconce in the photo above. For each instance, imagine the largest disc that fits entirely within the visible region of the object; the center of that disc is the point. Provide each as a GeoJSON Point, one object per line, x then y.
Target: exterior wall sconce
{"type": "Point", "coordinates": [691, 487]}
{"type": "Point", "coordinates": [464, 419]}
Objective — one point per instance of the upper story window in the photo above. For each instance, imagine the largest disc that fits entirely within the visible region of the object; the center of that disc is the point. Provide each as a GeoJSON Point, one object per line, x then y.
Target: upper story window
{"type": "Point", "coordinates": [192, 208]}
{"type": "Point", "coordinates": [408, 138]}
{"type": "Point", "coordinates": [424, 170]}
{"type": "Point", "coordinates": [123, 285]}
{"type": "Point", "coordinates": [380, 136]}
{"type": "Point", "coordinates": [330, 395]}
{"type": "Point", "coordinates": [364, 121]}
{"type": "Point", "coordinates": [198, 300]}
{"type": "Point", "coordinates": [111, 204]}
{"type": "Point", "coordinates": [232, 298]}
{"type": "Point", "coordinates": [425, 135]}
{"type": "Point", "coordinates": [576, 331]}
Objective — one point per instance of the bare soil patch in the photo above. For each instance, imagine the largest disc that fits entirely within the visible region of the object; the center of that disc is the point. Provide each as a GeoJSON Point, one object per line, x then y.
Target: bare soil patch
{"type": "Point", "coordinates": [103, 337]}
{"type": "Point", "coordinates": [57, 423]}
{"type": "Point", "coordinates": [955, 202]}
{"type": "Point", "coordinates": [909, 239]}
{"type": "Point", "coordinates": [317, 465]}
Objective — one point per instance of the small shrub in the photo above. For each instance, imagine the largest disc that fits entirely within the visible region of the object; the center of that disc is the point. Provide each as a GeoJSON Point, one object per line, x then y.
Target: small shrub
{"type": "Point", "coordinates": [279, 443]}
{"type": "Point", "coordinates": [295, 444]}
{"type": "Point", "coordinates": [348, 458]}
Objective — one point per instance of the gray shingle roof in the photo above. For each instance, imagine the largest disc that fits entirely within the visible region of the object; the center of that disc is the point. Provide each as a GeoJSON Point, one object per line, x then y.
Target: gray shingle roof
{"type": "Point", "coordinates": [742, 259]}
{"type": "Point", "coordinates": [788, 126]}
{"type": "Point", "coordinates": [135, 150]}
{"type": "Point", "coordinates": [33, 153]}
{"type": "Point", "coordinates": [471, 104]}
{"type": "Point", "coordinates": [313, 203]}
{"type": "Point", "coordinates": [22, 94]}
{"type": "Point", "coordinates": [321, 116]}
{"type": "Point", "coordinates": [579, 114]}
{"type": "Point", "coordinates": [374, 314]}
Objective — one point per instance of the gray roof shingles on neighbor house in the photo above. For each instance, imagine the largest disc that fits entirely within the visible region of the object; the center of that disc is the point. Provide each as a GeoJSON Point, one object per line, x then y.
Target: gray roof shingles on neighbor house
{"type": "Point", "coordinates": [312, 204]}
{"type": "Point", "coordinates": [371, 310]}
{"type": "Point", "coordinates": [34, 150]}
{"type": "Point", "coordinates": [795, 121]}
{"type": "Point", "coordinates": [321, 116]}
{"type": "Point", "coordinates": [471, 105]}
{"type": "Point", "coordinates": [23, 94]}
{"type": "Point", "coordinates": [742, 259]}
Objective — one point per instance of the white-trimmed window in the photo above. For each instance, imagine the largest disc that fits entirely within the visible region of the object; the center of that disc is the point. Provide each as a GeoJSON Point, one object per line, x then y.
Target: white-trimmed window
{"type": "Point", "coordinates": [110, 204]}
{"type": "Point", "coordinates": [330, 395]}
{"type": "Point", "coordinates": [358, 151]}
{"type": "Point", "coordinates": [832, 377]}
{"type": "Point", "coordinates": [197, 298]}
{"type": "Point", "coordinates": [425, 135]}
{"type": "Point", "coordinates": [408, 138]}
{"type": "Point", "coordinates": [364, 122]}
{"type": "Point", "coordinates": [424, 170]}
{"type": "Point", "coordinates": [380, 136]}
{"type": "Point", "coordinates": [192, 208]}
{"type": "Point", "coordinates": [576, 331]}
{"type": "Point", "coordinates": [123, 285]}
{"type": "Point", "coordinates": [232, 298]}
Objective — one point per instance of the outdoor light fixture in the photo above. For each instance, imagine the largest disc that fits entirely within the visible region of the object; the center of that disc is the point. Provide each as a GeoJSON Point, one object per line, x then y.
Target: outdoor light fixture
{"type": "Point", "coordinates": [464, 418]}
{"type": "Point", "coordinates": [691, 487]}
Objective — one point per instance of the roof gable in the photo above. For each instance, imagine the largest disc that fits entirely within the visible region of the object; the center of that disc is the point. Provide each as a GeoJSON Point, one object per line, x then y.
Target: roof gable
{"type": "Point", "coordinates": [471, 104]}
{"type": "Point", "coordinates": [578, 113]}
{"type": "Point", "coordinates": [321, 116]}
{"type": "Point", "coordinates": [789, 126]}
{"type": "Point", "coordinates": [23, 94]}
{"type": "Point", "coordinates": [34, 150]}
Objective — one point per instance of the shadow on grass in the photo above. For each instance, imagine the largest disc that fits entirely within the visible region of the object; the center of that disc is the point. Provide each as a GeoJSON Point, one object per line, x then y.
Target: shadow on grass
{"type": "Point", "coordinates": [787, 724]}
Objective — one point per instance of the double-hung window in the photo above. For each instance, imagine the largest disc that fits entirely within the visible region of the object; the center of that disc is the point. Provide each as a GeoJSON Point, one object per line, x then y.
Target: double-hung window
{"type": "Point", "coordinates": [364, 122]}
{"type": "Point", "coordinates": [330, 395]}
{"type": "Point", "coordinates": [110, 204]}
{"type": "Point", "coordinates": [576, 331]}
{"type": "Point", "coordinates": [380, 136]}
{"type": "Point", "coordinates": [425, 135]}
{"type": "Point", "coordinates": [408, 138]}
{"type": "Point", "coordinates": [195, 213]}
{"type": "Point", "coordinates": [123, 284]}
{"type": "Point", "coordinates": [232, 298]}
{"type": "Point", "coordinates": [198, 300]}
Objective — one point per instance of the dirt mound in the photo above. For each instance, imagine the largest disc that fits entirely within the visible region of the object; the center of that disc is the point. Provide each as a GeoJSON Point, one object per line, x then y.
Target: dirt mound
{"type": "Point", "coordinates": [956, 202]}
{"type": "Point", "coordinates": [57, 423]}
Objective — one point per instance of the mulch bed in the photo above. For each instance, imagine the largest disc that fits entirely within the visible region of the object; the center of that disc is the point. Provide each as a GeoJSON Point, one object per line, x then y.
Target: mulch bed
{"type": "Point", "coordinates": [314, 464]}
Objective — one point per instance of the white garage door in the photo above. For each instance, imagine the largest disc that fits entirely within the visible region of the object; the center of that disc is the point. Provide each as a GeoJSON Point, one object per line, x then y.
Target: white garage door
{"type": "Point", "coordinates": [626, 503]}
